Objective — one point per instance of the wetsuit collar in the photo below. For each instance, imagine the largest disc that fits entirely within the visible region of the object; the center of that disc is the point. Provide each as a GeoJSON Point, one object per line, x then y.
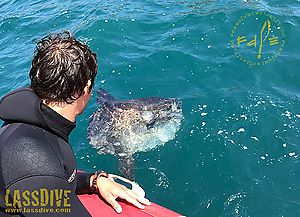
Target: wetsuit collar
{"type": "Point", "coordinates": [57, 123]}
{"type": "Point", "coordinates": [24, 106]}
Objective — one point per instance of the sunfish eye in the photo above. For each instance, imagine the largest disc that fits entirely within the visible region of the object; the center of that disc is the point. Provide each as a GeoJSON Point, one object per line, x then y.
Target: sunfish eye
{"type": "Point", "coordinates": [150, 124]}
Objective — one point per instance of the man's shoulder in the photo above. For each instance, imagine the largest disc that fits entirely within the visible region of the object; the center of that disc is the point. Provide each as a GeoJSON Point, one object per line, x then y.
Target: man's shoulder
{"type": "Point", "coordinates": [23, 136]}
{"type": "Point", "coordinates": [25, 151]}
{"type": "Point", "coordinates": [11, 131]}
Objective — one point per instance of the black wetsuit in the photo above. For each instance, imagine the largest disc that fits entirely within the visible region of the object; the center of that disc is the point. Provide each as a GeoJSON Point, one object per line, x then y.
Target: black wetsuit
{"type": "Point", "coordinates": [35, 154]}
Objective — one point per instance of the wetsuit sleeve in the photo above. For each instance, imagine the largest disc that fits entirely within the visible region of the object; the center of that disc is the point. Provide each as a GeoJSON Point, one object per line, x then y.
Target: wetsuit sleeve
{"type": "Point", "coordinates": [44, 196]}
{"type": "Point", "coordinates": [83, 183]}
{"type": "Point", "coordinates": [32, 176]}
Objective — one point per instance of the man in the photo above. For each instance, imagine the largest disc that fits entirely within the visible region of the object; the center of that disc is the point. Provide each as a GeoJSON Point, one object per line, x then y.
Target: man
{"type": "Point", "coordinates": [37, 163]}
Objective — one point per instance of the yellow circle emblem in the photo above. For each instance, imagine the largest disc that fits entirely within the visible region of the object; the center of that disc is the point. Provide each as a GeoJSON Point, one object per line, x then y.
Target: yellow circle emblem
{"type": "Point", "coordinates": [257, 38]}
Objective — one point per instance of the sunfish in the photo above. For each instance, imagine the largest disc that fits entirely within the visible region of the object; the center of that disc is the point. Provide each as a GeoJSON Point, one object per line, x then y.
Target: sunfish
{"type": "Point", "coordinates": [125, 127]}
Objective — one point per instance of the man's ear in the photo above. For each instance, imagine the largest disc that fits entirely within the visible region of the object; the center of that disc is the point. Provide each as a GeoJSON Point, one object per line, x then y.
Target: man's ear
{"type": "Point", "coordinates": [87, 88]}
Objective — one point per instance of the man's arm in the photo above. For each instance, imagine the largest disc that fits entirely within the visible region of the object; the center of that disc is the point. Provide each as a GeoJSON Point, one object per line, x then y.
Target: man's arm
{"type": "Point", "coordinates": [33, 177]}
{"type": "Point", "coordinates": [83, 183]}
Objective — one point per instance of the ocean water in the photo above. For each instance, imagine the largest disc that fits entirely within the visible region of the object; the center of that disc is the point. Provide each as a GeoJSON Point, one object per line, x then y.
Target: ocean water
{"type": "Point", "coordinates": [237, 152]}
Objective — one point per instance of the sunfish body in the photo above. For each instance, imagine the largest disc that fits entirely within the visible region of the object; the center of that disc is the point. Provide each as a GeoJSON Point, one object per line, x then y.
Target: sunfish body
{"type": "Point", "coordinates": [124, 127]}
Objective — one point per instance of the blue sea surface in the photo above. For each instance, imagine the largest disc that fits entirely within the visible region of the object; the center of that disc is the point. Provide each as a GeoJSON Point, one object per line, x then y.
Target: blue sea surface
{"type": "Point", "coordinates": [238, 150]}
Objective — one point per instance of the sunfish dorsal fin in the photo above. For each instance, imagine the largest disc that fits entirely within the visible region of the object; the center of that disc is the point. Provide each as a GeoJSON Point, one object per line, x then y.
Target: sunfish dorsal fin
{"type": "Point", "coordinates": [104, 96]}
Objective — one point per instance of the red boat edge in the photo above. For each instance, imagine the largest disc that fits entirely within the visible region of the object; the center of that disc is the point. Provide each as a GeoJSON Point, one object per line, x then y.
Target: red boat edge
{"type": "Point", "coordinates": [97, 207]}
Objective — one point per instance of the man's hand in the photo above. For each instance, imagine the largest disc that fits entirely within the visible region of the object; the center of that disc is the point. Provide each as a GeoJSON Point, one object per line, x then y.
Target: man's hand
{"type": "Point", "coordinates": [111, 190]}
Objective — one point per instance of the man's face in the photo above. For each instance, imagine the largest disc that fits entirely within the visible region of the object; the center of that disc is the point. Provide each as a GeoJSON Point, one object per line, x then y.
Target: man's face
{"type": "Point", "coordinates": [84, 99]}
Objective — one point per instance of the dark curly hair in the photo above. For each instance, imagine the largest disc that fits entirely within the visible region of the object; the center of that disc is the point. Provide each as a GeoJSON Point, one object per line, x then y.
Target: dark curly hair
{"type": "Point", "coordinates": [61, 68]}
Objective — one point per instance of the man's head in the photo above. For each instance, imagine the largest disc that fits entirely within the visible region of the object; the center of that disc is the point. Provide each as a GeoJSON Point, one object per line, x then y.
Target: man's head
{"type": "Point", "coordinates": [63, 69]}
